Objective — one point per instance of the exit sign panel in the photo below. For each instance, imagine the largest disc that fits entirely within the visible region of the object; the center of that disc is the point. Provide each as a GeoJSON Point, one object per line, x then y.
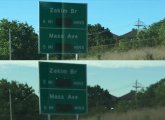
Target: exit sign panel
{"type": "Point", "coordinates": [68, 15]}
{"type": "Point", "coordinates": [63, 41]}
{"type": "Point", "coordinates": [62, 75]}
{"type": "Point", "coordinates": [63, 101]}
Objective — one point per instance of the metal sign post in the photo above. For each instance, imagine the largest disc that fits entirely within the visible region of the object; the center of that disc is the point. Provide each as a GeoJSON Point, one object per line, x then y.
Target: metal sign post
{"type": "Point", "coordinates": [47, 56]}
{"type": "Point", "coordinates": [77, 57]}
{"type": "Point", "coordinates": [49, 117]}
{"type": "Point", "coordinates": [77, 117]}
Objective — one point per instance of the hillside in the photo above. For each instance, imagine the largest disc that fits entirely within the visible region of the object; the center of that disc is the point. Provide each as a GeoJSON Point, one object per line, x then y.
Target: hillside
{"type": "Point", "coordinates": [102, 43]}
{"type": "Point", "coordinates": [147, 44]}
{"type": "Point", "coordinates": [101, 104]}
{"type": "Point", "coordinates": [129, 96]}
{"type": "Point", "coordinates": [151, 97]}
{"type": "Point", "coordinates": [150, 105]}
{"type": "Point", "coordinates": [130, 35]}
{"type": "Point", "coordinates": [140, 114]}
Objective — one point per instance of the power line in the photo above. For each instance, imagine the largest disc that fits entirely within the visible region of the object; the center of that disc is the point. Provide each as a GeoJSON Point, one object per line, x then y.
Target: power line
{"type": "Point", "coordinates": [121, 88]}
{"type": "Point", "coordinates": [139, 24]}
{"type": "Point", "coordinates": [136, 86]}
{"type": "Point", "coordinates": [131, 41]}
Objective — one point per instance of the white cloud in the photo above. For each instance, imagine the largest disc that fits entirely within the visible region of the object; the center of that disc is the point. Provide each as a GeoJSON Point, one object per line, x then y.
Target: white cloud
{"type": "Point", "coordinates": [91, 63]}
{"type": "Point", "coordinates": [120, 63]}
{"type": "Point", "coordinates": [127, 64]}
{"type": "Point", "coordinates": [23, 63]}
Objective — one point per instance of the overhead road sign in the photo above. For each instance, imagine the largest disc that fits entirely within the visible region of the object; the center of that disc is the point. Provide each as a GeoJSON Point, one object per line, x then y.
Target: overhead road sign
{"type": "Point", "coordinates": [63, 27]}
{"type": "Point", "coordinates": [63, 88]}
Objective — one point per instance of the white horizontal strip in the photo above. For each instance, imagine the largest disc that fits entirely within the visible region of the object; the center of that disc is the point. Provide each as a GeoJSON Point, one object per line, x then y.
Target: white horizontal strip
{"type": "Point", "coordinates": [63, 89]}
{"type": "Point", "coordinates": [64, 28]}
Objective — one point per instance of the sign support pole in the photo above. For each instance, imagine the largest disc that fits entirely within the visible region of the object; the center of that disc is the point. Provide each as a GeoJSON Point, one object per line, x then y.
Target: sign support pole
{"type": "Point", "coordinates": [76, 56]}
{"type": "Point", "coordinates": [47, 56]}
{"type": "Point", "coordinates": [77, 117]}
{"type": "Point", "coordinates": [49, 117]}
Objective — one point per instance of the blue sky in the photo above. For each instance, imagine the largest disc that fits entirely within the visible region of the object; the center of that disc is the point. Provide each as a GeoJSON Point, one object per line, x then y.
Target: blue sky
{"type": "Point", "coordinates": [119, 16]}
{"type": "Point", "coordinates": [116, 76]}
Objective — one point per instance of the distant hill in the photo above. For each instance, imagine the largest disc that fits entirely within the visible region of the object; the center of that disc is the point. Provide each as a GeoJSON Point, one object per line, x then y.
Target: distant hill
{"type": "Point", "coordinates": [115, 36]}
{"type": "Point", "coordinates": [129, 96]}
{"type": "Point", "coordinates": [152, 96]}
{"type": "Point", "coordinates": [129, 35]}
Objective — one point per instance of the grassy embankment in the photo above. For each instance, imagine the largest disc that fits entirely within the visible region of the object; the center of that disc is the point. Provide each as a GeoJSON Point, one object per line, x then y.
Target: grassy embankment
{"type": "Point", "coordinates": [141, 114]}
{"type": "Point", "coordinates": [147, 53]}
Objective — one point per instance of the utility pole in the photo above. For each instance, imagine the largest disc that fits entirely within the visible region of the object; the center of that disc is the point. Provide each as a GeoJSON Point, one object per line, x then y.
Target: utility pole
{"type": "Point", "coordinates": [136, 86]}
{"type": "Point", "coordinates": [139, 24]}
{"type": "Point", "coordinates": [10, 104]}
{"type": "Point", "coordinates": [9, 44]}
{"type": "Point", "coordinates": [97, 43]}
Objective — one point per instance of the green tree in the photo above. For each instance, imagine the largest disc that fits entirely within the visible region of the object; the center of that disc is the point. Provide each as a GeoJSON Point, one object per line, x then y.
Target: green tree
{"type": "Point", "coordinates": [25, 103]}
{"type": "Point", "coordinates": [160, 93]}
{"type": "Point", "coordinates": [123, 106]}
{"type": "Point", "coordinates": [99, 35]}
{"type": "Point", "coordinates": [152, 36]}
{"type": "Point", "coordinates": [23, 40]}
{"type": "Point", "coordinates": [153, 95]}
{"type": "Point", "coordinates": [100, 98]}
{"type": "Point", "coordinates": [124, 44]}
{"type": "Point", "coordinates": [162, 34]}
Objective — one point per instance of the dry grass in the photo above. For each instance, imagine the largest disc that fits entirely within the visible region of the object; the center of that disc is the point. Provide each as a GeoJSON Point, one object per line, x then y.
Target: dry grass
{"type": "Point", "coordinates": [144, 114]}
{"type": "Point", "coordinates": [157, 53]}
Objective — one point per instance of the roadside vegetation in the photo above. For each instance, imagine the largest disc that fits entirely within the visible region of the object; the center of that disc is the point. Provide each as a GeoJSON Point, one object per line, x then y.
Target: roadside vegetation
{"type": "Point", "coordinates": [144, 53]}
{"type": "Point", "coordinates": [147, 104]}
{"type": "Point", "coordinates": [147, 43]}
{"type": "Point", "coordinates": [140, 114]}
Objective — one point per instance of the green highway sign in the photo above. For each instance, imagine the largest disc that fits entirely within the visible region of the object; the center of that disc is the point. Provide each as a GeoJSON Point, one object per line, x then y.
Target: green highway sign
{"type": "Point", "coordinates": [63, 27]}
{"type": "Point", "coordinates": [59, 14]}
{"type": "Point", "coordinates": [67, 42]}
{"type": "Point", "coordinates": [63, 88]}
{"type": "Point", "coordinates": [62, 75]}
{"type": "Point", "coordinates": [55, 101]}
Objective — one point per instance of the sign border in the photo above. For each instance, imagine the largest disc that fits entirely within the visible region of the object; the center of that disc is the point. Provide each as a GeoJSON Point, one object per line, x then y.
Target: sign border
{"type": "Point", "coordinates": [85, 51]}
{"type": "Point", "coordinates": [40, 112]}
